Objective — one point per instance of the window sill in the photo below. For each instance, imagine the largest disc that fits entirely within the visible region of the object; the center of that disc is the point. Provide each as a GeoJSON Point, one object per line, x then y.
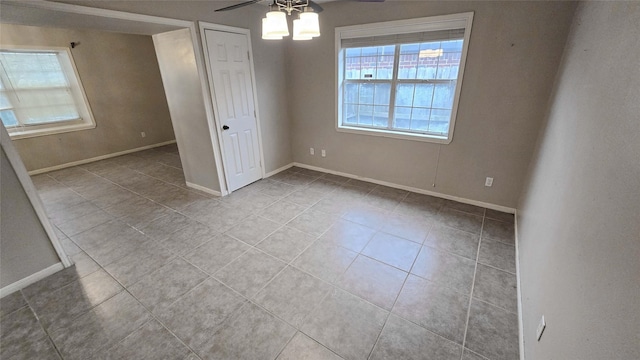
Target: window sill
{"type": "Point", "coordinates": [395, 134]}
{"type": "Point", "coordinates": [29, 133]}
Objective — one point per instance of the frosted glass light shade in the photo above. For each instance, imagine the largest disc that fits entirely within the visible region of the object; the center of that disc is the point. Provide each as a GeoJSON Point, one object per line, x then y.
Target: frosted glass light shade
{"type": "Point", "coordinates": [265, 31]}
{"type": "Point", "coordinates": [297, 27]}
{"type": "Point", "coordinates": [309, 24]}
{"type": "Point", "coordinates": [276, 24]}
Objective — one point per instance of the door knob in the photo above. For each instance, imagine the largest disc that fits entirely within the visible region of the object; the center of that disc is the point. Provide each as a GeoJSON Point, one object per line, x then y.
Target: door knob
{"type": "Point", "coordinates": [225, 127]}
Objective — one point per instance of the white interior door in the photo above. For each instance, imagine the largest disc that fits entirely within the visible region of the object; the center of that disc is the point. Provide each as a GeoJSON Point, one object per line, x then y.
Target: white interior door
{"type": "Point", "coordinates": [230, 70]}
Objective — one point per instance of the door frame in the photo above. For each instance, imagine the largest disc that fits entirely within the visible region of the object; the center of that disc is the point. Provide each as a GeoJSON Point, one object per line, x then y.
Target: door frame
{"type": "Point", "coordinates": [216, 117]}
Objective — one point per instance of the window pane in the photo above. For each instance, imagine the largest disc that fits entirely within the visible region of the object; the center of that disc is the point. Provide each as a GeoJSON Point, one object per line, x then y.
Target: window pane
{"type": "Point", "coordinates": [365, 115]}
{"type": "Point", "coordinates": [439, 121]}
{"type": "Point", "coordinates": [349, 115]}
{"type": "Point", "coordinates": [352, 52]}
{"type": "Point", "coordinates": [402, 118]}
{"type": "Point", "coordinates": [383, 94]}
{"type": "Point", "coordinates": [4, 101]}
{"type": "Point", "coordinates": [352, 68]}
{"type": "Point", "coordinates": [448, 65]}
{"type": "Point", "coordinates": [443, 95]}
{"type": "Point", "coordinates": [420, 119]}
{"type": "Point", "coordinates": [366, 93]}
{"type": "Point", "coordinates": [404, 95]}
{"type": "Point", "coordinates": [423, 95]}
{"type": "Point", "coordinates": [351, 93]}
{"type": "Point", "coordinates": [385, 67]}
{"type": "Point", "coordinates": [381, 116]}
{"type": "Point", "coordinates": [408, 65]}
{"type": "Point", "coordinates": [8, 118]}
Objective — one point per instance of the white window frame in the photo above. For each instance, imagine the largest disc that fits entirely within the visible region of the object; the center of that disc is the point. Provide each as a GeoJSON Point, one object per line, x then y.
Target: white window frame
{"type": "Point", "coordinates": [86, 120]}
{"type": "Point", "coordinates": [433, 23]}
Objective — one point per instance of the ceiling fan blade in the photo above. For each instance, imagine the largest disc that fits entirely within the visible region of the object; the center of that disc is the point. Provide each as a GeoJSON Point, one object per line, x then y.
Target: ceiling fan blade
{"type": "Point", "coordinates": [237, 6]}
{"type": "Point", "coordinates": [316, 8]}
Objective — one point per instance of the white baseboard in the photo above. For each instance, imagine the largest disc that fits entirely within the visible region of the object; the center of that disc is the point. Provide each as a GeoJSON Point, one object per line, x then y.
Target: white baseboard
{"type": "Point", "coordinates": [412, 189]}
{"type": "Point", "coordinates": [278, 170]}
{"type": "Point", "coordinates": [23, 283]}
{"type": "Point", "coordinates": [519, 291]}
{"type": "Point", "coordinates": [98, 158]}
{"type": "Point", "coordinates": [203, 189]}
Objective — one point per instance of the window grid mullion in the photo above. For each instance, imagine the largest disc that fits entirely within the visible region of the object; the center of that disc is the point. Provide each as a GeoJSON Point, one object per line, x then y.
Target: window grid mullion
{"type": "Point", "coordinates": [394, 84]}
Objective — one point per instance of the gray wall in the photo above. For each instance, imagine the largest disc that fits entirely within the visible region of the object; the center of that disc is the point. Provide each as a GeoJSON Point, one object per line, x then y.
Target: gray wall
{"type": "Point", "coordinates": [180, 76]}
{"type": "Point", "coordinates": [269, 62]}
{"type": "Point", "coordinates": [579, 220]}
{"type": "Point", "coordinates": [514, 51]}
{"type": "Point", "coordinates": [122, 82]}
{"type": "Point", "coordinates": [25, 247]}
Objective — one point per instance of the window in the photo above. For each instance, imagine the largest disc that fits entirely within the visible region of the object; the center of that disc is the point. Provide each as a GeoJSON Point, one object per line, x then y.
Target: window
{"type": "Point", "coordinates": [40, 93]}
{"type": "Point", "coordinates": [402, 78]}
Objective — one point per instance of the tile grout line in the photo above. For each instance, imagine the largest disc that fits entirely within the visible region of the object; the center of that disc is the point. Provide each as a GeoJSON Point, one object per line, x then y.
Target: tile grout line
{"type": "Point", "coordinates": [473, 284]}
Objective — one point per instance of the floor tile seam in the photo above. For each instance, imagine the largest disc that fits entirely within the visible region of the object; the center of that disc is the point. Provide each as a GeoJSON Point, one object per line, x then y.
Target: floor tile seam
{"type": "Point", "coordinates": [500, 241]}
{"type": "Point", "coordinates": [382, 262]}
{"type": "Point", "coordinates": [482, 357]}
{"type": "Point", "coordinates": [17, 309]}
{"type": "Point", "coordinates": [440, 224]}
{"type": "Point", "coordinates": [226, 233]}
{"type": "Point", "coordinates": [156, 318]}
{"type": "Point", "coordinates": [448, 252]}
{"type": "Point", "coordinates": [172, 232]}
{"type": "Point", "coordinates": [91, 228]}
{"type": "Point", "coordinates": [473, 284]}
{"type": "Point", "coordinates": [395, 301]}
{"type": "Point", "coordinates": [75, 218]}
{"type": "Point", "coordinates": [46, 336]}
{"type": "Point", "coordinates": [75, 318]}
{"type": "Point", "coordinates": [59, 288]}
{"type": "Point", "coordinates": [442, 285]}
{"type": "Point", "coordinates": [404, 238]}
{"type": "Point", "coordinates": [169, 260]}
{"type": "Point", "coordinates": [487, 302]}
{"type": "Point", "coordinates": [497, 268]}
{"type": "Point", "coordinates": [462, 211]}
{"type": "Point", "coordinates": [127, 189]}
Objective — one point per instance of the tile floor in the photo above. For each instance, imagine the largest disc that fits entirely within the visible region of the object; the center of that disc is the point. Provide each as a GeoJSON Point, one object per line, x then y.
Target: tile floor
{"type": "Point", "coordinates": [303, 265]}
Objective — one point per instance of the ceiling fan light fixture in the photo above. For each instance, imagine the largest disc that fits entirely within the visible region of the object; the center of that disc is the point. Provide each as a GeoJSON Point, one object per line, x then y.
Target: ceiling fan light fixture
{"type": "Point", "coordinates": [309, 24]}
{"type": "Point", "coordinates": [265, 31]}
{"type": "Point", "coordinates": [275, 25]}
{"type": "Point", "coordinates": [297, 27]}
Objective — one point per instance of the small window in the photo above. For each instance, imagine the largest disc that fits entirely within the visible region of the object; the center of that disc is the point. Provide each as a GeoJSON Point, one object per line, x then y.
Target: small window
{"type": "Point", "coordinates": [402, 78]}
{"type": "Point", "coordinates": [40, 93]}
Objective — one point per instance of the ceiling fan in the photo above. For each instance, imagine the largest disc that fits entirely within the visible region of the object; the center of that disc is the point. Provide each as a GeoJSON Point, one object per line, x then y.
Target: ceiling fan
{"type": "Point", "coordinates": [283, 4]}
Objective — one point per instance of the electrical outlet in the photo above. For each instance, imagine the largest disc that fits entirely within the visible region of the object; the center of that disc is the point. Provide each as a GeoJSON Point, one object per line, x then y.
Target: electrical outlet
{"type": "Point", "coordinates": [541, 326]}
{"type": "Point", "coordinates": [488, 182]}
{"type": "Point", "coordinates": [312, 151]}
{"type": "Point", "coordinates": [142, 134]}
{"type": "Point", "coordinates": [324, 153]}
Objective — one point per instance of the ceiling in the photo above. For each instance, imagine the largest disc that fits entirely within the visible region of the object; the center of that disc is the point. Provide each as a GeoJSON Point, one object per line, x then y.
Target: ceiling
{"type": "Point", "coordinates": [47, 14]}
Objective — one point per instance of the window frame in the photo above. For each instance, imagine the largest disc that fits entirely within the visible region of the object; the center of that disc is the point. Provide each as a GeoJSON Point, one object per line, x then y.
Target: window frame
{"type": "Point", "coordinates": [432, 23]}
{"type": "Point", "coordinates": [67, 63]}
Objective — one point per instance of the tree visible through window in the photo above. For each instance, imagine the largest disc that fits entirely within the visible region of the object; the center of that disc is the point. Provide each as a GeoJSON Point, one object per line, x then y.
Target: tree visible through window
{"type": "Point", "coordinates": [403, 83]}
{"type": "Point", "coordinates": [40, 93]}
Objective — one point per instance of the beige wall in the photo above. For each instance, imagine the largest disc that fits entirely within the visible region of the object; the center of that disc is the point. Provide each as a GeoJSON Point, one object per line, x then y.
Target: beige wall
{"type": "Point", "coordinates": [25, 247]}
{"type": "Point", "coordinates": [269, 62]}
{"type": "Point", "coordinates": [514, 52]}
{"type": "Point", "coordinates": [579, 220]}
{"type": "Point", "coordinates": [122, 82]}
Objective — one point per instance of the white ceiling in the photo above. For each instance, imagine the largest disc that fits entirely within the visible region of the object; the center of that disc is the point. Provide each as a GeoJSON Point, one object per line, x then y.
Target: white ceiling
{"type": "Point", "coordinates": [40, 13]}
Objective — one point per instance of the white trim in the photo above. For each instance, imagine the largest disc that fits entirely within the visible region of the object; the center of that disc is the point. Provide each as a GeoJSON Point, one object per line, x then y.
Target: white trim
{"type": "Point", "coordinates": [519, 289]}
{"type": "Point", "coordinates": [452, 21]}
{"type": "Point", "coordinates": [211, 91]}
{"type": "Point", "coordinates": [203, 189]}
{"type": "Point", "coordinates": [24, 282]}
{"type": "Point", "coordinates": [199, 53]}
{"type": "Point", "coordinates": [32, 194]}
{"type": "Point", "coordinates": [278, 170]}
{"type": "Point", "coordinates": [98, 158]}
{"type": "Point", "coordinates": [412, 189]}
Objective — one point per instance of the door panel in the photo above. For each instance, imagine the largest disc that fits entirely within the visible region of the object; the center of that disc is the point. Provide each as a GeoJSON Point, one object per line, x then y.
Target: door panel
{"type": "Point", "coordinates": [233, 95]}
